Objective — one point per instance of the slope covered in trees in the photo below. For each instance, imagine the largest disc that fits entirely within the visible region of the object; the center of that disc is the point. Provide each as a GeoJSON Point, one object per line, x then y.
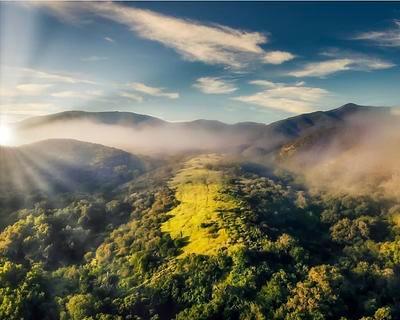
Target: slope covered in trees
{"type": "Point", "coordinates": [286, 253]}
{"type": "Point", "coordinates": [55, 169]}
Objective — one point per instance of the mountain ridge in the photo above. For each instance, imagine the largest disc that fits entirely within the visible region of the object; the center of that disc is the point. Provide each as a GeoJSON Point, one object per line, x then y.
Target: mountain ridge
{"type": "Point", "coordinates": [147, 134]}
{"type": "Point", "coordinates": [87, 115]}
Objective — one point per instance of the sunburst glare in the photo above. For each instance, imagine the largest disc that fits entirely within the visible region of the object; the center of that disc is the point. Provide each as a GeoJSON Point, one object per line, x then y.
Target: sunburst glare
{"type": "Point", "coordinates": [6, 135]}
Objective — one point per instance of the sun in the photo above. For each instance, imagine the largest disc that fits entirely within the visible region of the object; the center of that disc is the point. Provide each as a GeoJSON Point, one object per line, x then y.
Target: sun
{"type": "Point", "coordinates": [5, 135]}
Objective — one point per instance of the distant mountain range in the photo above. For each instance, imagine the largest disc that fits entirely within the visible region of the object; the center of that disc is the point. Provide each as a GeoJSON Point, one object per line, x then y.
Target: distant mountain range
{"type": "Point", "coordinates": [146, 134]}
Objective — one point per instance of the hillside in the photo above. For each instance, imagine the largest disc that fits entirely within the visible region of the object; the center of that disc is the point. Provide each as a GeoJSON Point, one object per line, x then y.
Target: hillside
{"type": "Point", "coordinates": [47, 168]}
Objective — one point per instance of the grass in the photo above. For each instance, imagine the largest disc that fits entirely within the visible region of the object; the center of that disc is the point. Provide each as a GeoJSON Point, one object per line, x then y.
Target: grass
{"type": "Point", "coordinates": [196, 217]}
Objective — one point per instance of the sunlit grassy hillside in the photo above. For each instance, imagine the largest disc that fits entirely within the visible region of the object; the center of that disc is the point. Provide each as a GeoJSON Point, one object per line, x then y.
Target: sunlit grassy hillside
{"type": "Point", "coordinates": [198, 189]}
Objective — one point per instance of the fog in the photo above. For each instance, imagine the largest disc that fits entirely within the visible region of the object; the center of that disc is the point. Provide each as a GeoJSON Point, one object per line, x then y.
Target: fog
{"type": "Point", "coordinates": [361, 158]}
{"type": "Point", "coordinates": [169, 138]}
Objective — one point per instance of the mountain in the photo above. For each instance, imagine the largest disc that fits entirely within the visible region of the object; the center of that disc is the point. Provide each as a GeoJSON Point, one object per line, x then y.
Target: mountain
{"type": "Point", "coordinates": [144, 134]}
{"type": "Point", "coordinates": [344, 127]}
{"type": "Point", "coordinates": [109, 118]}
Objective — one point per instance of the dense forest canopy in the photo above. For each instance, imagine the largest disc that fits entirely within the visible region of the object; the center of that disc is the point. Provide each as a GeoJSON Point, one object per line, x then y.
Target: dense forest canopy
{"type": "Point", "coordinates": [93, 232]}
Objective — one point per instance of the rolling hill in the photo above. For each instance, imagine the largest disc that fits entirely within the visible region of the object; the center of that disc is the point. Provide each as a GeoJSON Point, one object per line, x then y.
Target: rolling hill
{"type": "Point", "coordinates": [51, 167]}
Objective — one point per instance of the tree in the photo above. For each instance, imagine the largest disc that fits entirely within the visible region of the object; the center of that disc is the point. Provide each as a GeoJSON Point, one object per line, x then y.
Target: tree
{"type": "Point", "coordinates": [81, 306]}
{"type": "Point", "coordinates": [317, 296]}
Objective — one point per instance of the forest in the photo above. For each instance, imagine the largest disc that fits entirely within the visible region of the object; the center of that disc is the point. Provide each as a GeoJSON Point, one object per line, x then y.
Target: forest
{"type": "Point", "coordinates": [198, 236]}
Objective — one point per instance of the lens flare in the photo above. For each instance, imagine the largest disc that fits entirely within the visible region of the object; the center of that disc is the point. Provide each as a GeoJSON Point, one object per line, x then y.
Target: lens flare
{"type": "Point", "coordinates": [5, 135]}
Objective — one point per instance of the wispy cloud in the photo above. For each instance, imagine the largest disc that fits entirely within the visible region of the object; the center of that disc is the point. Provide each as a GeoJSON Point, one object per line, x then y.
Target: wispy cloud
{"type": "Point", "coordinates": [132, 96]}
{"type": "Point", "coordinates": [193, 40]}
{"type": "Point", "coordinates": [67, 94]}
{"type": "Point", "coordinates": [278, 57]}
{"type": "Point", "coordinates": [339, 63]}
{"type": "Point", "coordinates": [264, 83]}
{"type": "Point", "coordinates": [32, 89]}
{"type": "Point", "coordinates": [153, 91]}
{"type": "Point", "coordinates": [28, 109]}
{"type": "Point", "coordinates": [71, 94]}
{"type": "Point", "coordinates": [94, 59]}
{"type": "Point", "coordinates": [386, 38]}
{"type": "Point", "coordinates": [109, 39]}
{"type": "Point", "coordinates": [51, 76]}
{"type": "Point", "coordinates": [294, 99]}
{"type": "Point", "coordinates": [214, 85]}
{"type": "Point", "coordinates": [25, 89]}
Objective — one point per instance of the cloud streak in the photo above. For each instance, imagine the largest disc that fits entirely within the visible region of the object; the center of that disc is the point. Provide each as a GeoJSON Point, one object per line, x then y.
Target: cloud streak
{"type": "Point", "coordinates": [293, 99]}
{"type": "Point", "coordinates": [214, 85]}
{"type": "Point", "coordinates": [32, 89]}
{"type": "Point", "coordinates": [53, 76]}
{"type": "Point", "coordinates": [27, 109]}
{"type": "Point", "coordinates": [152, 91]}
{"type": "Point", "coordinates": [337, 64]}
{"type": "Point", "coordinates": [94, 59]}
{"type": "Point", "coordinates": [89, 94]}
{"type": "Point", "coordinates": [131, 96]}
{"type": "Point", "coordinates": [109, 39]}
{"type": "Point", "coordinates": [25, 89]}
{"type": "Point", "coordinates": [385, 38]}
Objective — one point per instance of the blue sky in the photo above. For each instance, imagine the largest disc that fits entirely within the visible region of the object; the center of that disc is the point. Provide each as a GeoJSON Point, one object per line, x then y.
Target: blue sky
{"type": "Point", "coordinates": [230, 61]}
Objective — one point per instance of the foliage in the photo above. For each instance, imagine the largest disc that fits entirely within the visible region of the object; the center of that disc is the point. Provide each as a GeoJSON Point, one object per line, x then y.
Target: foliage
{"type": "Point", "coordinates": [201, 238]}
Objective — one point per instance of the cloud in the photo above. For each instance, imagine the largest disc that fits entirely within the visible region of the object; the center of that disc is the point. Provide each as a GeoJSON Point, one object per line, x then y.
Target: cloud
{"type": "Point", "coordinates": [30, 109]}
{"type": "Point", "coordinates": [214, 85]}
{"type": "Point", "coordinates": [94, 59]}
{"type": "Point", "coordinates": [32, 89]}
{"type": "Point", "coordinates": [131, 96]}
{"type": "Point", "coordinates": [264, 83]}
{"type": "Point", "coordinates": [278, 57]}
{"type": "Point", "coordinates": [385, 38]}
{"type": "Point", "coordinates": [213, 44]}
{"type": "Point", "coordinates": [194, 41]}
{"type": "Point", "coordinates": [153, 91]}
{"type": "Point", "coordinates": [337, 64]}
{"type": "Point", "coordinates": [294, 99]}
{"type": "Point", "coordinates": [25, 89]}
{"type": "Point", "coordinates": [52, 76]}
{"type": "Point", "coordinates": [67, 94]}
{"type": "Point", "coordinates": [109, 39]}
{"type": "Point", "coordinates": [89, 94]}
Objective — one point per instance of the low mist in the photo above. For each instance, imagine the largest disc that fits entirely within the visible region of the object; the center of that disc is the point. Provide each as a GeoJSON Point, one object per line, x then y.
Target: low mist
{"type": "Point", "coordinates": [361, 158]}
{"type": "Point", "coordinates": [144, 140]}
{"type": "Point", "coordinates": [358, 156]}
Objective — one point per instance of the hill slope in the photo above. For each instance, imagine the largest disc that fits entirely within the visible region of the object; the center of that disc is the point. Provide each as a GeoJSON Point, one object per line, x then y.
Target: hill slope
{"type": "Point", "coordinates": [55, 166]}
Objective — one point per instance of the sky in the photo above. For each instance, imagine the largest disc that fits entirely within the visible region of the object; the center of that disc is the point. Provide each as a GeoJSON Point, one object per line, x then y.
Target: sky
{"type": "Point", "coordinates": [180, 61]}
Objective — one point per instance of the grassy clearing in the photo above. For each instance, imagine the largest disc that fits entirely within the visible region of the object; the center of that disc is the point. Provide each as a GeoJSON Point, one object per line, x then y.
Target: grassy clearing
{"type": "Point", "coordinates": [196, 217]}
